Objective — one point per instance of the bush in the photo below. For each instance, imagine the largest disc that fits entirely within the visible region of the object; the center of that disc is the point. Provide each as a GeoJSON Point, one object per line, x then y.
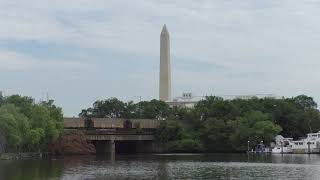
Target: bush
{"type": "Point", "coordinates": [169, 131]}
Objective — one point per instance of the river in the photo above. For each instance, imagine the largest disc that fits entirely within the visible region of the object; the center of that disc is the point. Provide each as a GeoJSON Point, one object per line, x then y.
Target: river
{"type": "Point", "coordinates": [165, 166]}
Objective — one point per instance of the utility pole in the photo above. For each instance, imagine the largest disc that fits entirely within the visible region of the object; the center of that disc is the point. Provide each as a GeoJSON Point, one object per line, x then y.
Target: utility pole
{"type": "Point", "coordinates": [140, 106]}
{"type": "Point", "coordinates": [140, 99]}
{"type": "Point", "coordinates": [1, 96]}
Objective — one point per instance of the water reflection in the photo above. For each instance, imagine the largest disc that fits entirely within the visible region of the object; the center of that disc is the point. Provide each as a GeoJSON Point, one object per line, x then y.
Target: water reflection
{"type": "Point", "coordinates": [169, 166]}
{"type": "Point", "coordinates": [30, 169]}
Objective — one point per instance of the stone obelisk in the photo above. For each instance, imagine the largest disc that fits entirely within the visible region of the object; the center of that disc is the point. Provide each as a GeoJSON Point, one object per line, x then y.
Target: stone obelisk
{"type": "Point", "coordinates": [165, 70]}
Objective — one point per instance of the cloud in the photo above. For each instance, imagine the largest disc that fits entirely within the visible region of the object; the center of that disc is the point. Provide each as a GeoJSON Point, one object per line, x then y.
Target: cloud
{"type": "Point", "coordinates": [14, 61]}
{"type": "Point", "coordinates": [218, 46]}
{"type": "Point", "coordinates": [217, 31]}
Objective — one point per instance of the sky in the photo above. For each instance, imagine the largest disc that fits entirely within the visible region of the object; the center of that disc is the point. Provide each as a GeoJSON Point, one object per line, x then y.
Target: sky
{"type": "Point", "coordinates": [79, 51]}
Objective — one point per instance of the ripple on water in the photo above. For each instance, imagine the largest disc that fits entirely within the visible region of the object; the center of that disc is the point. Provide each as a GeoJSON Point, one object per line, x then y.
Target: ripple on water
{"type": "Point", "coordinates": [239, 170]}
{"type": "Point", "coordinates": [187, 166]}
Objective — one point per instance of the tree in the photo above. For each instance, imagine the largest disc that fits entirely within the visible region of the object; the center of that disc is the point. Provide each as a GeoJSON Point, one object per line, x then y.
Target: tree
{"type": "Point", "coordinates": [48, 119]}
{"type": "Point", "coordinates": [154, 109]}
{"type": "Point", "coordinates": [112, 108]}
{"type": "Point", "coordinates": [29, 126]}
{"type": "Point", "coordinates": [168, 131]}
{"type": "Point", "coordinates": [304, 102]}
{"type": "Point", "coordinates": [23, 103]}
{"type": "Point", "coordinates": [13, 126]}
{"type": "Point", "coordinates": [215, 135]}
{"type": "Point", "coordinates": [131, 110]}
{"type": "Point", "coordinates": [220, 125]}
{"type": "Point", "coordinates": [216, 107]}
{"type": "Point", "coordinates": [35, 136]}
{"type": "Point", "coordinates": [255, 126]}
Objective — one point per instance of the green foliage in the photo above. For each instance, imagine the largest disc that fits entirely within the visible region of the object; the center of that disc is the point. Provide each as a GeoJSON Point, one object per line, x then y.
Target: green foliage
{"type": "Point", "coordinates": [254, 127]}
{"type": "Point", "coordinates": [23, 103]}
{"type": "Point", "coordinates": [154, 109]}
{"type": "Point", "coordinates": [215, 107]}
{"type": "Point", "coordinates": [215, 134]}
{"type": "Point", "coordinates": [114, 108]}
{"type": "Point", "coordinates": [218, 125]}
{"type": "Point", "coordinates": [227, 125]}
{"type": "Point", "coordinates": [36, 135]}
{"type": "Point", "coordinates": [168, 131]}
{"type": "Point", "coordinates": [28, 126]}
{"type": "Point", "coordinates": [12, 124]}
{"type": "Point", "coordinates": [178, 139]}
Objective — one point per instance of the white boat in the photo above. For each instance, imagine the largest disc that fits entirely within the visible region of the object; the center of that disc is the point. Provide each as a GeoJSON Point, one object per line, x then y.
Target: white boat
{"type": "Point", "coordinates": [310, 144]}
{"type": "Point", "coordinates": [283, 145]}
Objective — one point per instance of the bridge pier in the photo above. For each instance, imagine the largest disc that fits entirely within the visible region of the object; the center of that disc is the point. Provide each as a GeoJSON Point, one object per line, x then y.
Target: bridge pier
{"type": "Point", "coordinates": [122, 142]}
{"type": "Point", "coordinates": [105, 147]}
{"type": "Point", "coordinates": [112, 150]}
{"type": "Point", "coordinates": [112, 147]}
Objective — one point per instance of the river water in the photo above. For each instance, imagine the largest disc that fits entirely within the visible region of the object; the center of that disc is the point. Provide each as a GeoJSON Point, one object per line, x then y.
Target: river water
{"type": "Point", "coordinates": [168, 166]}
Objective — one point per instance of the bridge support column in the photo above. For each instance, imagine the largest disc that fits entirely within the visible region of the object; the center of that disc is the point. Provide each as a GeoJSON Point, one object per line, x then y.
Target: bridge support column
{"type": "Point", "coordinates": [112, 150]}
{"type": "Point", "coordinates": [112, 147]}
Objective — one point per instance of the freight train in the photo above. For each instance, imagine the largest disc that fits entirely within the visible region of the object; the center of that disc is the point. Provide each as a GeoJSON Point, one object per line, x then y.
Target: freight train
{"type": "Point", "coordinates": [110, 123]}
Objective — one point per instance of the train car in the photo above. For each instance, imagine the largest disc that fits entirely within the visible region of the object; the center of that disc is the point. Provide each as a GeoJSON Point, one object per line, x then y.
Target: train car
{"type": "Point", "coordinates": [110, 123]}
{"type": "Point", "coordinates": [116, 123]}
{"type": "Point", "coordinates": [74, 123]}
{"type": "Point", "coordinates": [107, 123]}
{"type": "Point", "coordinates": [145, 123]}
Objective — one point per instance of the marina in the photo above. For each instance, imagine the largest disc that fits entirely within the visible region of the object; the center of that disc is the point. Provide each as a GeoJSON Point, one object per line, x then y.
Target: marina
{"type": "Point", "coordinates": [308, 145]}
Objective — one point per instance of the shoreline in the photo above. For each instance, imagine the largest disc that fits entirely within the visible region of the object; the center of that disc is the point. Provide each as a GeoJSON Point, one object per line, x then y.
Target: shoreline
{"type": "Point", "coordinates": [19, 156]}
{"type": "Point", "coordinates": [24, 156]}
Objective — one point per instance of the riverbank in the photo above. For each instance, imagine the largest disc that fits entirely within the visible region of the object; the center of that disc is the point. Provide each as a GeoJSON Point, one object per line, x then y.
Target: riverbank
{"type": "Point", "coordinates": [16, 156]}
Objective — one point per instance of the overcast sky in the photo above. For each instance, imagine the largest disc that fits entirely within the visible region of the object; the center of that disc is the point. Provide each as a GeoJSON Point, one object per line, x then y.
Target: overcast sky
{"type": "Point", "coordinates": [83, 50]}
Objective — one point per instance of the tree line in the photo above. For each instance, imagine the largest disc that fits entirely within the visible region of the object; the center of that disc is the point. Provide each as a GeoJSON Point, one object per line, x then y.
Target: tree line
{"type": "Point", "coordinates": [27, 126]}
{"type": "Point", "coordinates": [216, 124]}
{"type": "Point", "coordinates": [212, 125]}
{"type": "Point", "coordinates": [114, 108]}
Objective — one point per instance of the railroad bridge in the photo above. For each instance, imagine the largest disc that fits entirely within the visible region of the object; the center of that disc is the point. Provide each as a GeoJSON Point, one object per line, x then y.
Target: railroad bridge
{"type": "Point", "coordinates": [116, 135]}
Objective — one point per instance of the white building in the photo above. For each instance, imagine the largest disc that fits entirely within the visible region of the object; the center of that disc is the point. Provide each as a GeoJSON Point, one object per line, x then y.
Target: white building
{"type": "Point", "coordinates": [187, 100]}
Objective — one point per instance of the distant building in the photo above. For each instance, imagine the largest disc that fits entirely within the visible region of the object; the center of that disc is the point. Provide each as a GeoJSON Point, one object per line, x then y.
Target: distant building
{"type": "Point", "coordinates": [187, 100]}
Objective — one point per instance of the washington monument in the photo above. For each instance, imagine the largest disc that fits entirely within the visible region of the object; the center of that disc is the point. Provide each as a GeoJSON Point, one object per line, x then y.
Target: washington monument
{"type": "Point", "coordinates": [165, 70]}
